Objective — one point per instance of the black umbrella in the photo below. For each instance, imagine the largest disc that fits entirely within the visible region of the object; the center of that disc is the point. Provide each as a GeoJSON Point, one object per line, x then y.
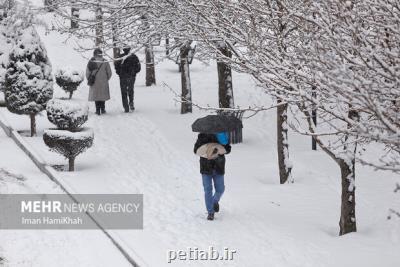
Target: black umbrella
{"type": "Point", "coordinates": [216, 123]}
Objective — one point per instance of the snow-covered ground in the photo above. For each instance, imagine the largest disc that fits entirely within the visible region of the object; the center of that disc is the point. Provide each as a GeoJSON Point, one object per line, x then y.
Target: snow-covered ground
{"type": "Point", "coordinates": [18, 175]}
{"type": "Point", "coordinates": [150, 151]}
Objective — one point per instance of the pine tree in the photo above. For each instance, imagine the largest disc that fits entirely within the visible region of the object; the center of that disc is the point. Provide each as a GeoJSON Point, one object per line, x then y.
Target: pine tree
{"type": "Point", "coordinates": [29, 82]}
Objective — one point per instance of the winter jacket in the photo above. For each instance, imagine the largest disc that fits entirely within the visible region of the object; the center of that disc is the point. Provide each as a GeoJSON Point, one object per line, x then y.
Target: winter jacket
{"type": "Point", "coordinates": [128, 67]}
{"type": "Point", "coordinates": [208, 166]}
{"type": "Point", "coordinates": [100, 90]}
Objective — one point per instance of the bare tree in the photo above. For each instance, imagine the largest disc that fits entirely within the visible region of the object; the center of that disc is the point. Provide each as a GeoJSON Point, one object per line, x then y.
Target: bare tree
{"type": "Point", "coordinates": [355, 60]}
{"type": "Point", "coordinates": [292, 50]}
{"type": "Point", "coordinates": [348, 54]}
{"type": "Point", "coordinates": [186, 106]}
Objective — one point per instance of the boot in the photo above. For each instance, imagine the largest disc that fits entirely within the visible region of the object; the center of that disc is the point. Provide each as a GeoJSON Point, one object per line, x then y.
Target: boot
{"type": "Point", "coordinates": [216, 207]}
{"type": "Point", "coordinates": [210, 217]}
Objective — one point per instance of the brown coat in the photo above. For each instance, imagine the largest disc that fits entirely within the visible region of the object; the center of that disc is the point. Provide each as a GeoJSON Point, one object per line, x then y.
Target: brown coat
{"type": "Point", "coordinates": [100, 90]}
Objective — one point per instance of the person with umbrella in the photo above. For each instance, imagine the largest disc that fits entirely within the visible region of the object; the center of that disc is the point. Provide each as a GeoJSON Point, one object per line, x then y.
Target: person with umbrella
{"type": "Point", "coordinates": [212, 144]}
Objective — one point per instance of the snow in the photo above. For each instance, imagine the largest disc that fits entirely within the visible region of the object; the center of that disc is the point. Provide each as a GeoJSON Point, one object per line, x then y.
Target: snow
{"type": "Point", "coordinates": [72, 109]}
{"type": "Point", "coordinates": [30, 79]}
{"type": "Point", "coordinates": [67, 114]}
{"type": "Point", "coordinates": [150, 151]}
{"type": "Point", "coordinates": [81, 135]}
{"type": "Point", "coordinates": [350, 178]}
{"type": "Point", "coordinates": [39, 248]}
{"type": "Point", "coordinates": [5, 48]}
{"type": "Point", "coordinates": [68, 74]}
{"type": "Point", "coordinates": [27, 43]}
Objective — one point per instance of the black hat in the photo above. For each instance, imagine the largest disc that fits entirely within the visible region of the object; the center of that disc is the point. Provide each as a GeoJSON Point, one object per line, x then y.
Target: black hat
{"type": "Point", "coordinates": [126, 50]}
{"type": "Point", "coordinates": [97, 52]}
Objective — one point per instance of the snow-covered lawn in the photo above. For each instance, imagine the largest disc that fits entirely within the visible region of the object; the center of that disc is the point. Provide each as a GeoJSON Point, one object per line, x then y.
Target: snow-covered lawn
{"type": "Point", "coordinates": [18, 175]}
{"type": "Point", "coordinates": [150, 151]}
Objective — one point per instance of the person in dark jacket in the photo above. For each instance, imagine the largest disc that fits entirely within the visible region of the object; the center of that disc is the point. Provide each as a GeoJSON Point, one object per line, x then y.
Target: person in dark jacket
{"type": "Point", "coordinates": [127, 67]}
{"type": "Point", "coordinates": [213, 170]}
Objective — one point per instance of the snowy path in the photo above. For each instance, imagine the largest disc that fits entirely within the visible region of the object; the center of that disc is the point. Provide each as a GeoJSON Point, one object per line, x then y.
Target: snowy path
{"type": "Point", "coordinates": [137, 158]}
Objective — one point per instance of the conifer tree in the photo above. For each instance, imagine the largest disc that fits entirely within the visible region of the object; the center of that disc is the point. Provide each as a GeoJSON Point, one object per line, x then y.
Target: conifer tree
{"type": "Point", "coordinates": [29, 82]}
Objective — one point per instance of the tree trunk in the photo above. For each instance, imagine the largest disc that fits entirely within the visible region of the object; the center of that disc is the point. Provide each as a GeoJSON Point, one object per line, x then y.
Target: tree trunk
{"type": "Point", "coordinates": [314, 118]}
{"type": "Point", "coordinates": [186, 104]}
{"type": "Point", "coordinates": [150, 71]}
{"type": "Point", "coordinates": [167, 46]}
{"type": "Point", "coordinates": [116, 50]}
{"type": "Point", "coordinates": [71, 164]}
{"type": "Point", "coordinates": [33, 124]}
{"type": "Point", "coordinates": [70, 94]}
{"type": "Point", "coordinates": [283, 145]}
{"type": "Point", "coordinates": [348, 207]}
{"type": "Point", "coordinates": [347, 221]}
{"type": "Point", "coordinates": [99, 25]}
{"type": "Point", "coordinates": [225, 88]}
{"type": "Point", "coordinates": [74, 17]}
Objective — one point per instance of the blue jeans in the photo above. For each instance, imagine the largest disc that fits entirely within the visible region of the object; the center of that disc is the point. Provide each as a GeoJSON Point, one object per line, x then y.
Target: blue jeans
{"type": "Point", "coordinates": [208, 189]}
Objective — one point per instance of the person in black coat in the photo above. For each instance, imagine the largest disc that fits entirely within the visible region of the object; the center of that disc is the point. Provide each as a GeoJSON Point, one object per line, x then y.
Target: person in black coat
{"type": "Point", "coordinates": [213, 170]}
{"type": "Point", "coordinates": [127, 67]}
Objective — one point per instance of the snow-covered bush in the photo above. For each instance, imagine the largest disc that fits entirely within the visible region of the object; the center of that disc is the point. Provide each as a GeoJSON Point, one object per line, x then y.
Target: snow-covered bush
{"type": "Point", "coordinates": [5, 47]}
{"type": "Point", "coordinates": [3, 63]}
{"type": "Point", "coordinates": [69, 139]}
{"type": "Point", "coordinates": [28, 83]}
{"type": "Point", "coordinates": [69, 80]}
{"type": "Point", "coordinates": [69, 144]}
{"type": "Point", "coordinates": [5, 44]}
{"type": "Point", "coordinates": [2, 76]}
{"type": "Point", "coordinates": [66, 114]}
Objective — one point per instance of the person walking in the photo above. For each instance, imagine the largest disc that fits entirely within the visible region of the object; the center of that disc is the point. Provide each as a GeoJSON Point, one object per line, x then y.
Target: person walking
{"type": "Point", "coordinates": [127, 67]}
{"type": "Point", "coordinates": [98, 73]}
{"type": "Point", "coordinates": [211, 148]}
